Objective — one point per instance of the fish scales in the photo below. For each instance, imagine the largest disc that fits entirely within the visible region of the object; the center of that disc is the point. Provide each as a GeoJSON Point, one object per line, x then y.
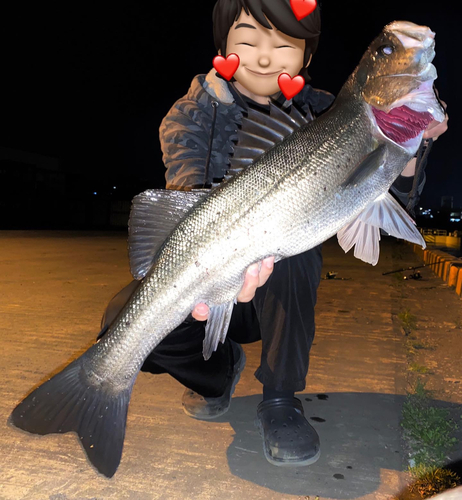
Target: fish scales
{"type": "Point", "coordinates": [293, 185]}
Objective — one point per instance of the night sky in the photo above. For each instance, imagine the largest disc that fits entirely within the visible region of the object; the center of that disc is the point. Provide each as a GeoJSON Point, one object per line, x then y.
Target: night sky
{"type": "Point", "coordinates": [90, 83]}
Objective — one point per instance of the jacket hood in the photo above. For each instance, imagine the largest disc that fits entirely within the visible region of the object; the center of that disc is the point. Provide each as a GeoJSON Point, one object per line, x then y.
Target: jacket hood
{"type": "Point", "coordinates": [206, 88]}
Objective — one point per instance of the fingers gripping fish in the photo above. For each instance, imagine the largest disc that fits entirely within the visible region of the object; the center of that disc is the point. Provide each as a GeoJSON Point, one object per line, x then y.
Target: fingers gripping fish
{"type": "Point", "coordinates": [291, 186]}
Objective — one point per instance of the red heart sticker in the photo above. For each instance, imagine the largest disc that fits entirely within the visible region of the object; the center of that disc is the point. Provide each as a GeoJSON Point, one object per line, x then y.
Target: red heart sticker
{"type": "Point", "coordinates": [226, 67]}
{"type": "Point", "coordinates": [302, 8]}
{"type": "Point", "coordinates": [290, 87]}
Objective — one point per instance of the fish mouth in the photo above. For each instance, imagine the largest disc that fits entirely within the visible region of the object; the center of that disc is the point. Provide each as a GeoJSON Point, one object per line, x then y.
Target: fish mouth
{"type": "Point", "coordinates": [411, 35]}
{"type": "Point", "coordinates": [423, 99]}
{"type": "Point", "coordinates": [406, 119]}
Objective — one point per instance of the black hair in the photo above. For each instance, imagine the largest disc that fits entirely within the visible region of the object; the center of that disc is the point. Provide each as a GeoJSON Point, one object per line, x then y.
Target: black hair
{"type": "Point", "coordinates": [278, 12]}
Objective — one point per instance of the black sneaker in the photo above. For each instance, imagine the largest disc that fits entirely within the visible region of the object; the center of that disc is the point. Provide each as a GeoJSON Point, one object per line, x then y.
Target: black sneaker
{"type": "Point", "coordinates": [203, 408]}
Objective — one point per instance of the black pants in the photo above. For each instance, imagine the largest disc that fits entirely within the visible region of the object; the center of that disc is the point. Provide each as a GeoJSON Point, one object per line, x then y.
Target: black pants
{"type": "Point", "coordinates": [281, 315]}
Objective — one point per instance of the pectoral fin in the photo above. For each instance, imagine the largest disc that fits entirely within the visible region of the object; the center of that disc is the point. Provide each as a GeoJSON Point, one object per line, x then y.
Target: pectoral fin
{"type": "Point", "coordinates": [368, 166]}
{"type": "Point", "coordinates": [217, 327]}
{"type": "Point", "coordinates": [364, 232]}
{"type": "Point", "coordinates": [154, 214]}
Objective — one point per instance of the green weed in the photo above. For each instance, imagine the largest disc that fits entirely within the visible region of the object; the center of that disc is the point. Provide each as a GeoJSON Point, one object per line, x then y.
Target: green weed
{"type": "Point", "coordinates": [428, 429]}
{"type": "Point", "coordinates": [420, 392]}
{"type": "Point", "coordinates": [415, 367]}
{"type": "Point", "coordinates": [408, 320]}
{"type": "Point", "coordinates": [429, 481]}
{"type": "Point", "coordinates": [420, 345]}
{"type": "Point", "coordinates": [414, 345]}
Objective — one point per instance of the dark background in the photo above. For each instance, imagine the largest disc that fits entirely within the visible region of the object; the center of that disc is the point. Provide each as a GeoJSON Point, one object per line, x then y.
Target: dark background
{"type": "Point", "coordinates": [88, 85]}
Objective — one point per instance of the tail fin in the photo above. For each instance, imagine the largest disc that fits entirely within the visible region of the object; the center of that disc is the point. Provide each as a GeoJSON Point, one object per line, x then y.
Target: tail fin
{"type": "Point", "coordinates": [67, 402]}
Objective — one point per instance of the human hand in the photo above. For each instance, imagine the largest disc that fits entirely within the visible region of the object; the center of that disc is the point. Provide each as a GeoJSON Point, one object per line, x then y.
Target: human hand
{"type": "Point", "coordinates": [254, 278]}
{"type": "Point", "coordinates": [435, 129]}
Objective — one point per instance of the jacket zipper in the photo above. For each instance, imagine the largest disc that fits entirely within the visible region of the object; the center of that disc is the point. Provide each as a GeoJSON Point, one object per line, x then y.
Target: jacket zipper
{"type": "Point", "coordinates": [209, 152]}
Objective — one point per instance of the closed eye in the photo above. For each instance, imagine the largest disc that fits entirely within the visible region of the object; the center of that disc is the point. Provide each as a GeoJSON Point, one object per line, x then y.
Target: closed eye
{"type": "Point", "coordinates": [285, 47]}
{"type": "Point", "coordinates": [244, 43]}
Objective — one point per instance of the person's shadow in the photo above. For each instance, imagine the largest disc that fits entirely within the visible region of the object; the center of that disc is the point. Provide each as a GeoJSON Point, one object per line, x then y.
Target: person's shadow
{"type": "Point", "coordinates": [360, 444]}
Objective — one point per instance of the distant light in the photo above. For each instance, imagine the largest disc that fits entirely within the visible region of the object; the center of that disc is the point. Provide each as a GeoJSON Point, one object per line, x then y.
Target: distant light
{"type": "Point", "coordinates": [455, 220]}
{"type": "Point", "coordinates": [114, 187]}
{"type": "Point", "coordinates": [95, 192]}
{"type": "Point", "coordinates": [431, 216]}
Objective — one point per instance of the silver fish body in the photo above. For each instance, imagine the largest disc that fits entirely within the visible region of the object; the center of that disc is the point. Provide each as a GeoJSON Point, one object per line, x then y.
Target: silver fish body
{"type": "Point", "coordinates": [289, 201]}
{"type": "Point", "coordinates": [303, 190]}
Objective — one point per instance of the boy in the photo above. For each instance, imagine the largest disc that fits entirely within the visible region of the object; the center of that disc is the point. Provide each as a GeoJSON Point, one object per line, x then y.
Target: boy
{"type": "Point", "coordinates": [197, 140]}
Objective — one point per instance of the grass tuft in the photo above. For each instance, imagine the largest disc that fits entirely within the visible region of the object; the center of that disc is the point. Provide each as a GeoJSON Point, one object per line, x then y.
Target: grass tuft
{"type": "Point", "coordinates": [415, 367]}
{"type": "Point", "coordinates": [429, 481]}
{"type": "Point", "coordinates": [416, 345]}
{"type": "Point", "coordinates": [428, 429]}
{"type": "Point", "coordinates": [408, 320]}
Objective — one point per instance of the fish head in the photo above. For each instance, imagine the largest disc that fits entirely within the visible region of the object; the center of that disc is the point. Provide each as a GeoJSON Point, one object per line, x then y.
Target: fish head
{"type": "Point", "coordinates": [395, 78]}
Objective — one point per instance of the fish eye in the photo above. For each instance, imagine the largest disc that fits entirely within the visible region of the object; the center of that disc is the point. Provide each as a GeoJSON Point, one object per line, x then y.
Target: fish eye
{"type": "Point", "coordinates": [385, 50]}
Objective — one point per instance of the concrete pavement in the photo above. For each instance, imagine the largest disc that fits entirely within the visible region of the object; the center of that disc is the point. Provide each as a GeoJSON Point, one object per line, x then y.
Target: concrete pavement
{"type": "Point", "coordinates": [54, 288]}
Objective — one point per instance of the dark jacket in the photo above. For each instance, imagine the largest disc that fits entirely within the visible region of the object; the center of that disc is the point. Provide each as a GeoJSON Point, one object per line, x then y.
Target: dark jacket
{"type": "Point", "coordinates": [185, 132]}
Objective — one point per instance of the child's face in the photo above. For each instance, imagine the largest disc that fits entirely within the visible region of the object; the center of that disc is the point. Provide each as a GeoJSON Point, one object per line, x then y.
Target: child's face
{"type": "Point", "coordinates": [264, 54]}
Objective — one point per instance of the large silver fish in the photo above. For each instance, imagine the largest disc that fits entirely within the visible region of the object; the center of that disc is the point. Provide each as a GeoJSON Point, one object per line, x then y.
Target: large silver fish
{"type": "Point", "coordinates": [309, 182]}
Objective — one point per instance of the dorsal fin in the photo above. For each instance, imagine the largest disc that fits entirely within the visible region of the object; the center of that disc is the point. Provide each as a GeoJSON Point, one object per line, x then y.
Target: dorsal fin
{"type": "Point", "coordinates": [153, 216]}
{"type": "Point", "coordinates": [259, 132]}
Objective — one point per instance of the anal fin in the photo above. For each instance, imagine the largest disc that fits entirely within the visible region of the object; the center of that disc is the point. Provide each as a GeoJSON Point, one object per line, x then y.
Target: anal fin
{"type": "Point", "coordinates": [216, 327]}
